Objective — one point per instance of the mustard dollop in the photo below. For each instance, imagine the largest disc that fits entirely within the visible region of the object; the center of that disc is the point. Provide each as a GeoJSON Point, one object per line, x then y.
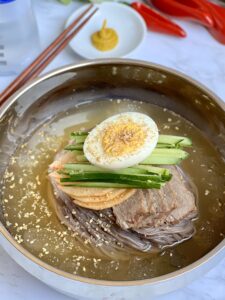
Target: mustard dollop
{"type": "Point", "coordinates": [105, 39]}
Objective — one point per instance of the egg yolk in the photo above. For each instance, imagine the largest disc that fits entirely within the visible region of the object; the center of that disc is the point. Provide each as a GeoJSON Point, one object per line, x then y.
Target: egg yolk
{"type": "Point", "coordinates": [123, 138]}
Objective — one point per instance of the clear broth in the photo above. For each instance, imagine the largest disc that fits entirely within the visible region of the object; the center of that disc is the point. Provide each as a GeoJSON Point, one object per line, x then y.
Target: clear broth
{"type": "Point", "coordinates": [33, 222]}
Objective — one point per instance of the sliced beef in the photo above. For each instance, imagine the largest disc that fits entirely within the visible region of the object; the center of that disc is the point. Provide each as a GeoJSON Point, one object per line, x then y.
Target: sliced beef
{"type": "Point", "coordinates": [168, 206]}
{"type": "Point", "coordinates": [164, 217]}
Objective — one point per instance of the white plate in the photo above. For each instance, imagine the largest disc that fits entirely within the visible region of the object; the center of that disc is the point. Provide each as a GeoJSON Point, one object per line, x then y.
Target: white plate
{"type": "Point", "coordinates": [126, 21]}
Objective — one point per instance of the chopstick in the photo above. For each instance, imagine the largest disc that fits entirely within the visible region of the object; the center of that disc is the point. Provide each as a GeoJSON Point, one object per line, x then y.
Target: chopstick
{"type": "Point", "coordinates": [38, 65]}
{"type": "Point", "coordinates": [61, 46]}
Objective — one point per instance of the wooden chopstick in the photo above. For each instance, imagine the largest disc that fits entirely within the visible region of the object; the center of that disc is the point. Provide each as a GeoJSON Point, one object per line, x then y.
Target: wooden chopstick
{"type": "Point", "coordinates": [46, 56]}
{"type": "Point", "coordinates": [56, 51]}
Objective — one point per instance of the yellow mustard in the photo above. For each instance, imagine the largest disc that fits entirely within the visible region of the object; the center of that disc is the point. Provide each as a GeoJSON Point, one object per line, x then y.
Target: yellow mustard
{"type": "Point", "coordinates": [105, 39]}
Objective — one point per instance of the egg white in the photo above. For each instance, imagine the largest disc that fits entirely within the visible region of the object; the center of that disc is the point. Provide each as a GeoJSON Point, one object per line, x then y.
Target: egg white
{"type": "Point", "coordinates": [96, 155]}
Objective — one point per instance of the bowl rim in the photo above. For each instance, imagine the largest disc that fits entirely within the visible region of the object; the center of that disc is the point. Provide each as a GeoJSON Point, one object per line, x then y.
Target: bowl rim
{"type": "Point", "coordinates": [151, 281]}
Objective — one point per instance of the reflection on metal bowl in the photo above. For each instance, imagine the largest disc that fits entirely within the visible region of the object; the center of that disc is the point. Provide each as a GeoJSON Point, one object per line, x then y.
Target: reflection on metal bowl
{"type": "Point", "coordinates": [60, 90]}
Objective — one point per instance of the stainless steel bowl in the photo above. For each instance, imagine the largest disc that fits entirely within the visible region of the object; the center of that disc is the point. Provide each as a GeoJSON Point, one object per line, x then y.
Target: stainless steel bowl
{"type": "Point", "coordinates": [63, 88]}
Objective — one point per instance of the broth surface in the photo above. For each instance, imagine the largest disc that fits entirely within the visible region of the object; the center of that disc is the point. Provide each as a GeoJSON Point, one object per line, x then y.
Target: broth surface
{"type": "Point", "coordinates": [33, 222]}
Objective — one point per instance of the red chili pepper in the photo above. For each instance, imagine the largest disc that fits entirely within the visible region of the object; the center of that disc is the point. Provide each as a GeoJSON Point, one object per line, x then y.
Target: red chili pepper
{"type": "Point", "coordinates": [207, 13]}
{"type": "Point", "coordinates": [196, 10]}
{"type": "Point", "coordinates": [218, 14]}
{"type": "Point", "coordinates": [157, 22]}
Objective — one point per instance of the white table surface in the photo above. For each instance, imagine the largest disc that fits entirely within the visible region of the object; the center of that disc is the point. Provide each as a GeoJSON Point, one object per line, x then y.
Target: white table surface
{"type": "Point", "coordinates": [199, 56]}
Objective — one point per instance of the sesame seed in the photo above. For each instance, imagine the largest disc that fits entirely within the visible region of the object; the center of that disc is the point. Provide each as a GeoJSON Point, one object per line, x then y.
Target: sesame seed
{"type": "Point", "coordinates": [207, 192]}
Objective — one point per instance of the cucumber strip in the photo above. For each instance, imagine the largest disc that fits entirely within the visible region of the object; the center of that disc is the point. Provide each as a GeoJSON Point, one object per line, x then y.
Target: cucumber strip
{"type": "Point", "coordinates": [90, 168]}
{"type": "Point", "coordinates": [74, 147]}
{"type": "Point", "coordinates": [138, 169]}
{"type": "Point", "coordinates": [111, 176]}
{"type": "Point", "coordinates": [81, 158]}
{"type": "Point", "coordinates": [159, 160]}
{"type": "Point", "coordinates": [166, 146]}
{"type": "Point", "coordinates": [133, 183]}
{"type": "Point", "coordinates": [165, 157]}
{"type": "Point", "coordinates": [169, 152]}
{"type": "Point", "coordinates": [74, 169]}
{"type": "Point", "coordinates": [164, 173]}
{"type": "Point", "coordinates": [79, 138]}
{"type": "Point", "coordinates": [79, 133]}
{"type": "Point", "coordinates": [156, 158]}
{"type": "Point", "coordinates": [103, 185]}
{"type": "Point", "coordinates": [123, 172]}
{"type": "Point", "coordinates": [78, 152]}
{"type": "Point", "coordinates": [174, 140]}
{"type": "Point", "coordinates": [154, 170]}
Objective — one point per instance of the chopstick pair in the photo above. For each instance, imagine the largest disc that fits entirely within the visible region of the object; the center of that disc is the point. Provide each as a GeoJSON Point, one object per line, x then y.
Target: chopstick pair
{"type": "Point", "coordinates": [39, 64]}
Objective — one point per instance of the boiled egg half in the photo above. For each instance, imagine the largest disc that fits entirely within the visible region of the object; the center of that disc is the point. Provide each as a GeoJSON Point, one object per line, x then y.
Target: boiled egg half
{"type": "Point", "coordinates": [121, 141]}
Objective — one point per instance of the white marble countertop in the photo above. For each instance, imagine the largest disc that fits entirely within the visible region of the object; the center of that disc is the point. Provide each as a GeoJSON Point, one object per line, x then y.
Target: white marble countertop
{"type": "Point", "coordinates": [200, 57]}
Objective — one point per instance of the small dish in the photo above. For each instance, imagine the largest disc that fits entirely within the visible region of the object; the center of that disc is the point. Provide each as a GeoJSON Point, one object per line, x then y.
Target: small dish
{"type": "Point", "coordinates": [129, 25]}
